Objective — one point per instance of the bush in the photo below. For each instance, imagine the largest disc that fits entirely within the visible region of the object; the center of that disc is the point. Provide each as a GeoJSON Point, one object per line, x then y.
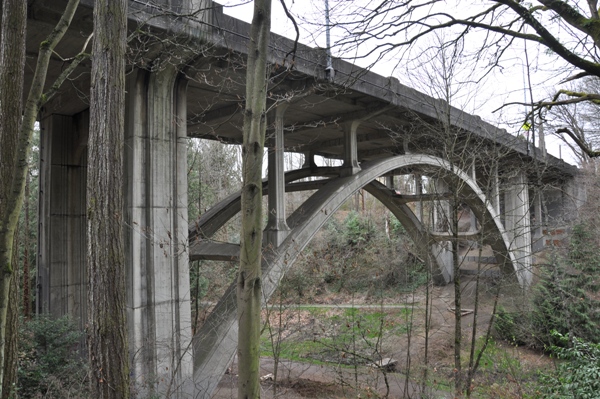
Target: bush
{"type": "Point", "coordinates": [563, 301]}
{"type": "Point", "coordinates": [50, 364]}
{"type": "Point", "coordinates": [355, 230]}
{"type": "Point", "coordinates": [577, 374]}
{"type": "Point", "coordinates": [514, 327]}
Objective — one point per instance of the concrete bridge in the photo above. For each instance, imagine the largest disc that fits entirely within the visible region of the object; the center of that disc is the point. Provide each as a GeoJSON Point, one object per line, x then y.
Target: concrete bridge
{"type": "Point", "coordinates": [186, 79]}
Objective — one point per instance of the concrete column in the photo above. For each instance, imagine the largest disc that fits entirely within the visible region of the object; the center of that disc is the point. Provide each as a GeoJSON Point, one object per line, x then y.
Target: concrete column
{"type": "Point", "coordinates": [158, 307]}
{"type": "Point", "coordinates": [537, 222]}
{"type": "Point", "coordinates": [389, 182]}
{"type": "Point", "coordinates": [495, 189]}
{"type": "Point", "coordinates": [419, 191]}
{"type": "Point", "coordinates": [517, 223]}
{"type": "Point", "coordinates": [309, 160]}
{"type": "Point", "coordinates": [441, 220]}
{"type": "Point", "coordinates": [542, 138]}
{"type": "Point", "coordinates": [350, 166]}
{"type": "Point", "coordinates": [277, 228]}
{"type": "Point", "coordinates": [62, 247]}
{"type": "Point", "coordinates": [473, 226]}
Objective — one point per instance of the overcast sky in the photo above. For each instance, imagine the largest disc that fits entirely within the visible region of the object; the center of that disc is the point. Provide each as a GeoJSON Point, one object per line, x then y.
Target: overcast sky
{"type": "Point", "coordinates": [504, 85]}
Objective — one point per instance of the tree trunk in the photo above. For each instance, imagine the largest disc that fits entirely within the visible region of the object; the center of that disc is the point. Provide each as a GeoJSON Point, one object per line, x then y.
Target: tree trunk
{"type": "Point", "coordinates": [12, 332]}
{"type": "Point", "coordinates": [457, 299]}
{"type": "Point", "coordinates": [12, 61]}
{"type": "Point", "coordinates": [26, 282]}
{"type": "Point", "coordinates": [249, 277]}
{"type": "Point", "coordinates": [16, 128]}
{"type": "Point", "coordinates": [107, 324]}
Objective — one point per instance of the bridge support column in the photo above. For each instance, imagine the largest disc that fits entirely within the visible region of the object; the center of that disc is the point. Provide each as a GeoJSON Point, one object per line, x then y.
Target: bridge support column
{"type": "Point", "coordinates": [309, 160]}
{"type": "Point", "coordinates": [537, 222]}
{"type": "Point", "coordinates": [389, 182]}
{"type": "Point", "coordinates": [277, 228]}
{"type": "Point", "coordinates": [441, 221]}
{"type": "Point", "coordinates": [418, 192]}
{"type": "Point", "coordinates": [156, 239]}
{"type": "Point", "coordinates": [517, 223]}
{"type": "Point", "coordinates": [473, 223]}
{"type": "Point", "coordinates": [350, 166]}
{"type": "Point", "coordinates": [495, 189]}
{"type": "Point", "coordinates": [62, 246]}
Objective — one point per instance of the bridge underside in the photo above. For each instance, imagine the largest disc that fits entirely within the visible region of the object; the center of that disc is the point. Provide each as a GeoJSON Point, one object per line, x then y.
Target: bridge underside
{"type": "Point", "coordinates": [194, 87]}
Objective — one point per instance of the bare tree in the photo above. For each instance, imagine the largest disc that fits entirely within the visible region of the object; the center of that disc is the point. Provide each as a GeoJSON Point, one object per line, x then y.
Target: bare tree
{"type": "Point", "coordinates": [568, 31]}
{"type": "Point", "coordinates": [249, 293]}
{"type": "Point", "coordinates": [577, 124]}
{"type": "Point", "coordinates": [107, 323]}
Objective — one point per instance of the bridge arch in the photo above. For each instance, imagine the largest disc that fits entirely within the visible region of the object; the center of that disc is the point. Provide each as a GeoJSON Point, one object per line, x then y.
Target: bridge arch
{"type": "Point", "coordinates": [215, 343]}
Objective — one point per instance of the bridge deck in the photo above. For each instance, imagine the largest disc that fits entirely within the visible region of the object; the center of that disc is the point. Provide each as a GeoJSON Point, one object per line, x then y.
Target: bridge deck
{"type": "Point", "coordinates": [396, 118]}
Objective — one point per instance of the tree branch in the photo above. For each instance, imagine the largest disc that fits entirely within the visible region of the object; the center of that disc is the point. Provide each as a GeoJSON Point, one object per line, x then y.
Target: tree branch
{"type": "Point", "coordinates": [549, 40]}
{"type": "Point", "coordinates": [291, 18]}
{"type": "Point", "coordinates": [584, 147]}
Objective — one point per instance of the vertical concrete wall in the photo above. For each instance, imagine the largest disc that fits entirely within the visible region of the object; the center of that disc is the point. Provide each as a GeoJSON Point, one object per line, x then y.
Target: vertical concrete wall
{"type": "Point", "coordinates": [62, 245]}
{"type": "Point", "coordinates": [157, 228]}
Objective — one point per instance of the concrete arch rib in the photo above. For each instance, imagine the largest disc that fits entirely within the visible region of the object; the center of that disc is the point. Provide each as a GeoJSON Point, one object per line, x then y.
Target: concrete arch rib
{"type": "Point", "coordinates": [212, 220]}
{"type": "Point", "coordinates": [215, 343]}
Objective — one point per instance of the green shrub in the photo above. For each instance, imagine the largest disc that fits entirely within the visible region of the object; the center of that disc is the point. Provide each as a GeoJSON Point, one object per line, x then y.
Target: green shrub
{"type": "Point", "coordinates": [577, 373]}
{"type": "Point", "coordinates": [355, 230]}
{"type": "Point", "coordinates": [396, 228]}
{"type": "Point", "coordinates": [50, 364]}
{"type": "Point", "coordinates": [358, 229]}
{"type": "Point", "coordinates": [515, 327]}
{"type": "Point", "coordinates": [564, 300]}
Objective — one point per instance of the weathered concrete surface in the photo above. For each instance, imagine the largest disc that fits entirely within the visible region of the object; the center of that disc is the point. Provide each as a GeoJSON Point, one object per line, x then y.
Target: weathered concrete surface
{"type": "Point", "coordinates": [62, 278]}
{"type": "Point", "coordinates": [216, 217]}
{"type": "Point", "coordinates": [158, 302]}
{"type": "Point", "coordinates": [517, 223]}
{"type": "Point", "coordinates": [277, 228]}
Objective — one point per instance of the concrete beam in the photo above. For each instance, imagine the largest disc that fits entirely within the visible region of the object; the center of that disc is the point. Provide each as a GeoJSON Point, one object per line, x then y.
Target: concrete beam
{"type": "Point", "coordinates": [340, 142]}
{"type": "Point", "coordinates": [216, 217]}
{"type": "Point", "coordinates": [211, 250]}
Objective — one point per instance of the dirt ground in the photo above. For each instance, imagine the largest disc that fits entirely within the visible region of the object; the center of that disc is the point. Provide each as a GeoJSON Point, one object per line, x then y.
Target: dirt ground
{"type": "Point", "coordinates": [303, 380]}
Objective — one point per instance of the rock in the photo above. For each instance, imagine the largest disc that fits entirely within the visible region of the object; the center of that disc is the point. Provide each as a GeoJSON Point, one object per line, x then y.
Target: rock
{"type": "Point", "coordinates": [387, 364]}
